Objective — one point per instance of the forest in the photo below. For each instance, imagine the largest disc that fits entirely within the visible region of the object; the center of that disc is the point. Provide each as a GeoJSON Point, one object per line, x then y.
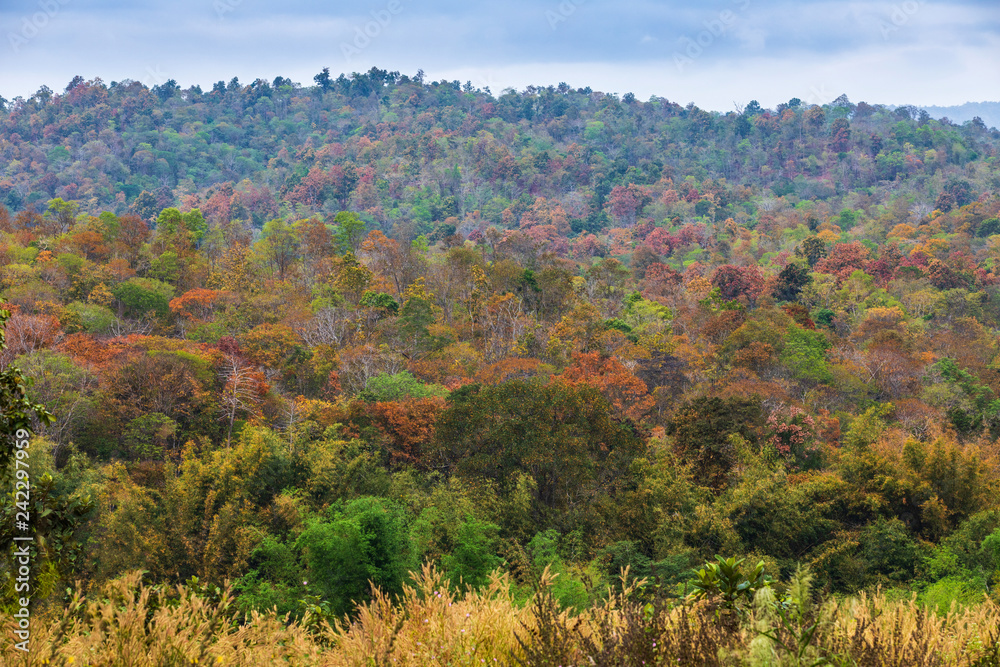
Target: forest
{"type": "Point", "coordinates": [318, 360]}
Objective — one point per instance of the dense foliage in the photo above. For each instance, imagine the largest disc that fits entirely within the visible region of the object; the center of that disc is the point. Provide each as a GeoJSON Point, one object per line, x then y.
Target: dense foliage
{"type": "Point", "coordinates": [308, 338]}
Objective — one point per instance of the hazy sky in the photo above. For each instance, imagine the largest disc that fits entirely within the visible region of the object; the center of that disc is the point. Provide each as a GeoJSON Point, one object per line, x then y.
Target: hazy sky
{"type": "Point", "coordinates": [714, 53]}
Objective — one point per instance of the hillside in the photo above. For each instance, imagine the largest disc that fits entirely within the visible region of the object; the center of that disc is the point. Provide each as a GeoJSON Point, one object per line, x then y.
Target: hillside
{"type": "Point", "coordinates": [395, 148]}
{"type": "Point", "coordinates": [310, 339]}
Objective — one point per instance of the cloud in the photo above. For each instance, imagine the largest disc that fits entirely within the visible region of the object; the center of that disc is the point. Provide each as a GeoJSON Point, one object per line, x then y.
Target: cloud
{"type": "Point", "coordinates": [914, 51]}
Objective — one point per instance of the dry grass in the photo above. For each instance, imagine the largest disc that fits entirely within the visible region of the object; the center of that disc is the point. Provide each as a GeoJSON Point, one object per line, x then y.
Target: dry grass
{"type": "Point", "coordinates": [431, 626]}
{"type": "Point", "coordinates": [125, 626]}
{"type": "Point", "coordinates": [873, 631]}
{"type": "Point", "coordinates": [132, 625]}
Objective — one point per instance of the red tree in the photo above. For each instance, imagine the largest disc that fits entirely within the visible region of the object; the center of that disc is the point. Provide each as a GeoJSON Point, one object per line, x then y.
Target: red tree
{"type": "Point", "coordinates": [735, 282]}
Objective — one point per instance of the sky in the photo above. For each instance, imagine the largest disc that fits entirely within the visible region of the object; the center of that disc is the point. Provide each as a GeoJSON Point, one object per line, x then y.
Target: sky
{"type": "Point", "coordinates": [719, 54]}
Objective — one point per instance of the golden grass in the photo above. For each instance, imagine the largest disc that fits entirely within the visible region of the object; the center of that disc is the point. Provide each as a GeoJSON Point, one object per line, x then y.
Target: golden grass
{"type": "Point", "coordinates": [126, 625]}
{"type": "Point", "coordinates": [431, 626]}
{"type": "Point", "coordinates": [901, 632]}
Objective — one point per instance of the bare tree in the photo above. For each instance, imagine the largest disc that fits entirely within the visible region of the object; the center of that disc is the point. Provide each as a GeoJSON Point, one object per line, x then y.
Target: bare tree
{"type": "Point", "coordinates": [243, 389]}
{"type": "Point", "coordinates": [330, 326]}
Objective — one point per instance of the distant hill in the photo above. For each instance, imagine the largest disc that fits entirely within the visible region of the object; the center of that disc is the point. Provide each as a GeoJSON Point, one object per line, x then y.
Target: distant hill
{"type": "Point", "coordinates": [409, 155]}
{"type": "Point", "coordinates": [988, 111]}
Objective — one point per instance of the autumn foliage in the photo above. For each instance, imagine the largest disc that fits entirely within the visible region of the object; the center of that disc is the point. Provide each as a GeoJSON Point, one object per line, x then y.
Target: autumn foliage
{"type": "Point", "coordinates": [307, 338]}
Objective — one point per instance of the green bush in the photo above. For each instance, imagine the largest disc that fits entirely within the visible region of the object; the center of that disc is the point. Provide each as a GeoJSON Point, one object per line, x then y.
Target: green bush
{"type": "Point", "coordinates": [365, 542]}
{"type": "Point", "coordinates": [398, 386]}
{"type": "Point", "coordinates": [889, 551]}
{"type": "Point", "coordinates": [941, 595]}
{"type": "Point", "coordinates": [139, 296]}
{"type": "Point", "coordinates": [474, 557]}
{"type": "Point", "coordinates": [92, 318]}
{"type": "Point", "coordinates": [568, 590]}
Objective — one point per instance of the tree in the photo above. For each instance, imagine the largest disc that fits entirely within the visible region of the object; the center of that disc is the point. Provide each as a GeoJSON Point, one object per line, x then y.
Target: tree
{"type": "Point", "coordinates": [196, 225]}
{"type": "Point", "coordinates": [16, 409]}
{"type": "Point", "coordinates": [198, 305]}
{"type": "Point", "coordinates": [415, 317]}
{"type": "Point", "coordinates": [805, 354]}
{"type": "Point", "coordinates": [840, 135]}
{"type": "Point", "coordinates": [564, 438]}
{"type": "Point", "coordinates": [243, 390]}
{"type": "Point", "coordinates": [843, 259]}
{"type": "Point", "coordinates": [735, 282]}
{"type": "Point", "coordinates": [237, 271]}
{"type": "Point", "coordinates": [387, 257]}
{"type": "Point", "coordinates": [279, 246]}
{"type": "Point", "coordinates": [643, 258]}
{"type": "Point", "coordinates": [63, 384]}
{"type": "Point", "coordinates": [62, 215]}
{"type": "Point", "coordinates": [791, 280]}
{"type": "Point", "coordinates": [350, 231]}
{"type": "Point", "coordinates": [813, 249]}
{"type": "Point", "coordinates": [28, 333]}
{"type": "Point", "coordinates": [54, 517]}
{"type": "Point", "coordinates": [324, 80]}
{"type": "Point", "coordinates": [474, 557]}
{"type": "Point", "coordinates": [145, 206]}
{"type": "Point", "coordinates": [148, 436]}
{"type": "Point", "coordinates": [133, 232]}
{"type": "Point", "coordinates": [172, 231]}
{"type": "Point", "coordinates": [628, 395]}
{"type": "Point", "coordinates": [365, 545]}
{"type": "Point", "coordinates": [174, 383]}
{"type": "Point", "coordinates": [960, 190]}
{"type": "Point", "coordinates": [139, 296]}
{"type": "Point", "coordinates": [384, 387]}
{"type": "Point", "coordinates": [502, 324]}
{"type": "Point", "coordinates": [316, 241]}
{"type": "Point", "coordinates": [409, 424]}
{"type": "Point", "coordinates": [703, 431]}
{"type": "Point", "coordinates": [627, 201]}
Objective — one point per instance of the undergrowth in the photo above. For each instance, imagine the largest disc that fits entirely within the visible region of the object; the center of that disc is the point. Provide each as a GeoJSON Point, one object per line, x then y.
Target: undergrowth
{"type": "Point", "coordinates": [129, 623]}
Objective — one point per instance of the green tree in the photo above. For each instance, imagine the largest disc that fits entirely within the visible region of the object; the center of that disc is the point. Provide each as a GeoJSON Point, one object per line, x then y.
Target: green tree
{"type": "Point", "coordinates": [324, 80]}
{"type": "Point", "coordinates": [564, 438]}
{"type": "Point", "coordinates": [791, 280]}
{"type": "Point", "coordinates": [138, 296]}
{"type": "Point", "coordinates": [365, 542]}
{"type": "Point", "coordinates": [474, 557]}
{"type": "Point", "coordinates": [196, 224]}
{"type": "Point", "coordinates": [279, 246]}
{"type": "Point", "coordinates": [379, 300]}
{"type": "Point", "coordinates": [62, 214]}
{"type": "Point", "coordinates": [889, 551]}
{"type": "Point", "coordinates": [66, 386]}
{"type": "Point", "coordinates": [148, 436]}
{"type": "Point", "coordinates": [54, 517]}
{"type": "Point", "coordinates": [170, 225]}
{"type": "Point", "coordinates": [702, 431]}
{"type": "Point", "coordinates": [16, 409]}
{"type": "Point", "coordinates": [415, 317]}
{"type": "Point", "coordinates": [165, 267]}
{"type": "Point", "coordinates": [396, 387]}
{"type": "Point", "coordinates": [727, 580]}
{"type": "Point", "coordinates": [350, 231]}
{"type": "Point", "coordinates": [813, 249]}
{"type": "Point", "coordinates": [805, 354]}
